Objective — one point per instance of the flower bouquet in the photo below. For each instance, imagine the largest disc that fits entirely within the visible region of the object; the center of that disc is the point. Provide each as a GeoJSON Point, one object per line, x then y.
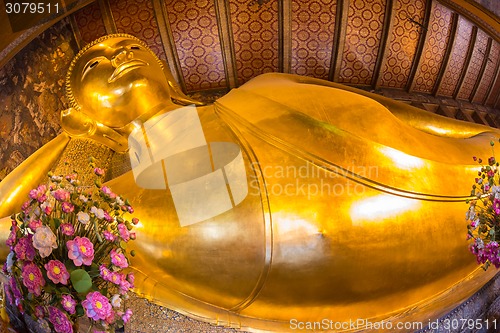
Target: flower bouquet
{"type": "Point", "coordinates": [68, 249]}
{"type": "Point", "coordinates": [484, 214]}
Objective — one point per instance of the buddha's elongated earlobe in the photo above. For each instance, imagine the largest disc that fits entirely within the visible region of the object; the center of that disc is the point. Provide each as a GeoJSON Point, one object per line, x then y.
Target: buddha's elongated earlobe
{"type": "Point", "coordinates": [176, 92]}
{"type": "Point", "coordinates": [78, 125]}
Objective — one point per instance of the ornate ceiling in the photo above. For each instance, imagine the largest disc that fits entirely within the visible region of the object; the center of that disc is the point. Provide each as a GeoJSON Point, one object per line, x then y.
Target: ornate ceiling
{"type": "Point", "coordinates": [446, 48]}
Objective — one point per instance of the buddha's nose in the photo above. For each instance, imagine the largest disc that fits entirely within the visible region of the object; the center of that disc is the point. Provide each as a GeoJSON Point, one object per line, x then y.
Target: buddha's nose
{"type": "Point", "coordinates": [122, 55]}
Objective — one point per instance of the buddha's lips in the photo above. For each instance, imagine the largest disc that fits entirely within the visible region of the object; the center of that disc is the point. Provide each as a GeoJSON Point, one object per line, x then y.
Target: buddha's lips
{"type": "Point", "coordinates": [125, 68]}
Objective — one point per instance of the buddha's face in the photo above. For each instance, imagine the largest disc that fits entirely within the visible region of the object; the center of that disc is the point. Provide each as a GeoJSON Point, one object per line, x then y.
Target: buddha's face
{"type": "Point", "coordinates": [116, 81]}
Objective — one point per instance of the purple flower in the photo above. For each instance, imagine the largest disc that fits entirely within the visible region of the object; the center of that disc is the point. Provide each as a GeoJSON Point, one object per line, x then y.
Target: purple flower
{"type": "Point", "coordinates": [118, 259]}
{"type": "Point", "coordinates": [105, 273]}
{"type": "Point", "coordinates": [97, 306]}
{"type": "Point", "coordinates": [15, 290]}
{"type": "Point", "coordinates": [24, 249]}
{"type": "Point", "coordinates": [81, 251]}
{"type": "Point", "coordinates": [127, 315]}
{"type": "Point", "coordinates": [33, 279]}
{"type": "Point", "coordinates": [68, 303]}
{"type": "Point", "coordinates": [124, 233]}
{"type": "Point", "coordinates": [12, 239]}
{"type": "Point", "coordinates": [109, 236]}
{"type": "Point", "coordinates": [61, 195]}
{"type": "Point", "coordinates": [57, 272]}
{"type": "Point", "coordinates": [39, 311]}
{"type": "Point", "coordinates": [67, 207]}
{"type": "Point", "coordinates": [35, 224]}
{"type": "Point", "coordinates": [67, 229]}
{"type": "Point", "coordinates": [107, 217]}
{"type": "Point", "coordinates": [39, 194]}
{"type": "Point", "coordinates": [44, 241]}
{"type": "Point", "coordinates": [59, 320]}
{"type": "Point", "coordinates": [124, 286]}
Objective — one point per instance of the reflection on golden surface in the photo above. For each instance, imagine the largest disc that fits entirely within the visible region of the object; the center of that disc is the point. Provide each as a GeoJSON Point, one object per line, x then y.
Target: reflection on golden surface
{"type": "Point", "coordinates": [353, 204]}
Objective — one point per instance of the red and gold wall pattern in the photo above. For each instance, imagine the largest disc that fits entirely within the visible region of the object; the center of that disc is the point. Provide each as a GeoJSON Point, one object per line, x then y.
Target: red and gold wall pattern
{"type": "Point", "coordinates": [195, 32]}
{"type": "Point", "coordinates": [90, 23]}
{"type": "Point", "coordinates": [489, 73]}
{"type": "Point", "coordinates": [457, 58]}
{"type": "Point", "coordinates": [255, 33]}
{"type": "Point", "coordinates": [402, 43]}
{"type": "Point", "coordinates": [438, 33]}
{"type": "Point", "coordinates": [364, 30]}
{"type": "Point", "coordinates": [476, 62]}
{"type": "Point", "coordinates": [313, 27]}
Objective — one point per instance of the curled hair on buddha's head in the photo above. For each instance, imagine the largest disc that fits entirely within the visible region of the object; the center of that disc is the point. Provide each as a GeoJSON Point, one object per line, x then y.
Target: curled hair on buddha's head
{"type": "Point", "coordinates": [69, 90]}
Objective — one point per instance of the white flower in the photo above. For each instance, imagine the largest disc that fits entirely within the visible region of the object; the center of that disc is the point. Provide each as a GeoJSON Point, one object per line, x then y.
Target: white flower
{"type": "Point", "coordinates": [119, 201]}
{"type": "Point", "coordinates": [479, 243]}
{"type": "Point", "coordinates": [116, 301]}
{"type": "Point", "coordinates": [471, 214]}
{"type": "Point", "coordinates": [83, 217]}
{"type": "Point", "coordinates": [97, 212]}
{"type": "Point", "coordinates": [44, 241]}
{"type": "Point", "coordinates": [83, 198]}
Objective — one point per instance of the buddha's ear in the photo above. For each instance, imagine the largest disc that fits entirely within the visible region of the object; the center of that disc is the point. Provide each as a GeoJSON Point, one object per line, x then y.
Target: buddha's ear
{"type": "Point", "coordinates": [77, 124]}
{"type": "Point", "coordinates": [176, 92]}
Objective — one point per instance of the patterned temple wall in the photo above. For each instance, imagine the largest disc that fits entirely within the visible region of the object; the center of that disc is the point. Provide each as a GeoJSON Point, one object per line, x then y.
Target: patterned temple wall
{"type": "Point", "coordinates": [32, 95]}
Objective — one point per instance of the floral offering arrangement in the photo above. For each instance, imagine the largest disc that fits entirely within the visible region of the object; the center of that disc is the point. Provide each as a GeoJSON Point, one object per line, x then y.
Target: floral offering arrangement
{"type": "Point", "coordinates": [68, 250]}
{"type": "Point", "coordinates": [484, 214]}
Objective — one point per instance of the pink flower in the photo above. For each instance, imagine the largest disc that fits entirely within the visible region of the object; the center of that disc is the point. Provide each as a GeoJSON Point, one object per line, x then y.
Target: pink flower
{"type": "Point", "coordinates": [118, 259]}
{"type": "Point", "coordinates": [132, 236]}
{"type": "Point", "coordinates": [57, 272]}
{"type": "Point", "coordinates": [33, 279]}
{"type": "Point", "coordinates": [48, 209]}
{"type": "Point", "coordinates": [61, 195]}
{"type": "Point", "coordinates": [130, 209]}
{"type": "Point", "coordinates": [106, 190]}
{"type": "Point", "coordinates": [39, 311]}
{"type": "Point", "coordinates": [109, 236]}
{"type": "Point", "coordinates": [135, 220]}
{"type": "Point", "coordinates": [124, 233]}
{"type": "Point", "coordinates": [24, 248]}
{"type": "Point", "coordinates": [127, 315]}
{"type": "Point", "coordinates": [67, 207]}
{"type": "Point", "coordinates": [59, 320]}
{"type": "Point", "coordinates": [96, 306]}
{"type": "Point", "coordinates": [12, 239]}
{"type": "Point", "coordinates": [35, 224]}
{"type": "Point", "coordinates": [124, 286]}
{"type": "Point", "coordinates": [116, 278]}
{"type": "Point", "coordinates": [44, 241]}
{"type": "Point", "coordinates": [68, 303]}
{"type": "Point", "coordinates": [39, 194]}
{"type": "Point", "coordinates": [107, 217]}
{"type": "Point", "coordinates": [131, 279]}
{"type": "Point", "coordinates": [81, 251]}
{"type": "Point", "coordinates": [67, 229]}
{"type": "Point", "coordinates": [105, 273]}
{"type": "Point", "coordinates": [99, 171]}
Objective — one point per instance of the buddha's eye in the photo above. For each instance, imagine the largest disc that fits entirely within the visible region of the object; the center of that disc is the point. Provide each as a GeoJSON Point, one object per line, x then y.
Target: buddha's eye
{"type": "Point", "coordinates": [91, 65]}
{"type": "Point", "coordinates": [135, 47]}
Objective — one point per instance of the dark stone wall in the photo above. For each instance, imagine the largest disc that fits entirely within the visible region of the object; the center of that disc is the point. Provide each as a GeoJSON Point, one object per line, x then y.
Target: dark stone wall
{"type": "Point", "coordinates": [32, 95]}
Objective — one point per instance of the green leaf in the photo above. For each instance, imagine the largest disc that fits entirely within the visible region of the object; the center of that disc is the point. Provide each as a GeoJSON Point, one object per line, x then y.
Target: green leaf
{"type": "Point", "coordinates": [81, 280]}
{"type": "Point", "coordinates": [79, 310]}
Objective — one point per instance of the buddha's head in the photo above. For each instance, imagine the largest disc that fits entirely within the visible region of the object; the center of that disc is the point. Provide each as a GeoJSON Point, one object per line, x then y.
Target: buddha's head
{"type": "Point", "coordinates": [115, 79]}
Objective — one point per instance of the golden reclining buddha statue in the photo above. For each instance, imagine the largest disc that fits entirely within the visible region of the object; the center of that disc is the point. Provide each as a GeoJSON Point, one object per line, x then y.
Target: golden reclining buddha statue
{"type": "Point", "coordinates": [287, 202]}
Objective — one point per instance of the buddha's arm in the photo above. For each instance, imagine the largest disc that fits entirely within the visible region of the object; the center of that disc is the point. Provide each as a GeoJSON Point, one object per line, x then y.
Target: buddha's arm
{"type": "Point", "coordinates": [14, 188]}
{"type": "Point", "coordinates": [420, 119]}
